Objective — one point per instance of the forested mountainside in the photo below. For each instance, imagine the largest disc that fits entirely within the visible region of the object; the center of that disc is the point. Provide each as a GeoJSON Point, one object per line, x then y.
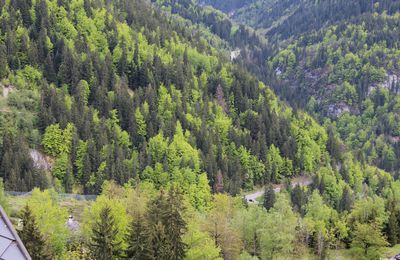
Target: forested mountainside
{"type": "Point", "coordinates": [140, 102]}
{"type": "Point", "coordinates": [344, 66]}
{"type": "Point", "coordinates": [281, 20]}
{"type": "Point", "coordinates": [350, 72]}
{"type": "Point", "coordinates": [252, 49]}
{"type": "Point", "coordinates": [108, 100]}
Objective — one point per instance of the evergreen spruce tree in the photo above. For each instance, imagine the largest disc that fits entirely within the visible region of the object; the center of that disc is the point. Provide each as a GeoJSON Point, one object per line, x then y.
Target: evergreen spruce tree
{"type": "Point", "coordinates": [346, 200]}
{"type": "Point", "coordinates": [103, 244]}
{"type": "Point", "coordinates": [167, 226]}
{"type": "Point", "coordinates": [3, 61]}
{"type": "Point", "coordinates": [392, 227]}
{"type": "Point", "coordinates": [68, 180]}
{"type": "Point", "coordinates": [138, 240]}
{"type": "Point", "coordinates": [159, 241]}
{"type": "Point", "coordinates": [156, 231]}
{"type": "Point", "coordinates": [175, 224]}
{"type": "Point", "coordinates": [269, 198]}
{"type": "Point", "coordinates": [31, 236]}
{"type": "Point", "coordinates": [299, 199]}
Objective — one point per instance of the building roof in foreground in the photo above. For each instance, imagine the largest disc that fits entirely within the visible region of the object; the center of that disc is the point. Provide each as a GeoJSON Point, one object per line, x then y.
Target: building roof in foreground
{"type": "Point", "coordinates": [11, 246]}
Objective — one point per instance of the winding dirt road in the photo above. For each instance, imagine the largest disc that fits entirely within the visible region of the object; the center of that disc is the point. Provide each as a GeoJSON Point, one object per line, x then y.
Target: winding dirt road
{"type": "Point", "coordinates": [302, 181]}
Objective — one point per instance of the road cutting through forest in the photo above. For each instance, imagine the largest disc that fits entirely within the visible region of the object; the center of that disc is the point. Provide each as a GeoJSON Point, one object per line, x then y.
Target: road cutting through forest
{"type": "Point", "coordinates": [302, 181]}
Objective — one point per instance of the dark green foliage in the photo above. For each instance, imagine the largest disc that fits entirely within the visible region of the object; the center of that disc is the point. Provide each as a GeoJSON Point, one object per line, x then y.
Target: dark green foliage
{"type": "Point", "coordinates": [323, 58]}
{"type": "Point", "coordinates": [150, 96]}
{"type": "Point", "coordinates": [343, 81]}
{"type": "Point", "coordinates": [103, 244]}
{"type": "Point", "coordinates": [138, 239]}
{"type": "Point", "coordinates": [175, 224]}
{"type": "Point", "coordinates": [299, 199]}
{"type": "Point", "coordinates": [392, 227]}
{"type": "Point", "coordinates": [24, 7]}
{"type": "Point", "coordinates": [110, 91]}
{"type": "Point", "coordinates": [3, 61]}
{"type": "Point", "coordinates": [306, 16]}
{"type": "Point", "coordinates": [166, 226]}
{"type": "Point", "coordinates": [269, 198]}
{"type": "Point", "coordinates": [16, 165]}
{"type": "Point", "coordinates": [347, 200]}
{"type": "Point", "coordinates": [31, 236]}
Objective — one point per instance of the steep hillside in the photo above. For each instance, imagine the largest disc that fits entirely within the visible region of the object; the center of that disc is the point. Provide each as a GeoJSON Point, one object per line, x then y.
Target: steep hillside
{"type": "Point", "coordinates": [250, 48]}
{"type": "Point", "coordinates": [142, 103]}
{"type": "Point", "coordinates": [141, 97]}
{"type": "Point", "coordinates": [281, 20]}
{"type": "Point", "coordinates": [350, 72]}
{"type": "Point", "coordinates": [337, 60]}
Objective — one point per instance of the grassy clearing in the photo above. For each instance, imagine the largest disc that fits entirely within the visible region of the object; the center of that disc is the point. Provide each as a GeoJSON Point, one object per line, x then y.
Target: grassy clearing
{"type": "Point", "coordinates": [75, 208]}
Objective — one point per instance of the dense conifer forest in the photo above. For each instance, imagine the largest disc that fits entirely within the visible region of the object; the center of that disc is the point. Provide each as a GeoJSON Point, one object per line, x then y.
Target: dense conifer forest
{"type": "Point", "coordinates": [172, 111]}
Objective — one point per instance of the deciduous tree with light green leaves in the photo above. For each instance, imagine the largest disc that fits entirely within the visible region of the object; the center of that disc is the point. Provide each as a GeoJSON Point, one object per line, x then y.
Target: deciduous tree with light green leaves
{"type": "Point", "coordinates": [117, 211]}
{"type": "Point", "coordinates": [51, 219]}
{"type": "Point", "coordinates": [250, 223]}
{"type": "Point", "coordinates": [368, 241]}
{"type": "Point", "coordinates": [317, 220]}
{"type": "Point", "coordinates": [57, 141]}
{"type": "Point", "coordinates": [220, 227]}
{"type": "Point", "coordinates": [60, 167]}
{"type": "Point", "coordinates": [140, 123]}
{"type": "Point", "coordinates": [369, 210]}
{"type": "Point", "coordinates": [103, 242]}
{"type": "Point", "coordinates": [277, 167]}
{"type": "Point", "coordinates": [200, 244]}
{"type": "Point", "coordinates": [279, 230]}
{"type": "Point", "coordinates": [180, 152]}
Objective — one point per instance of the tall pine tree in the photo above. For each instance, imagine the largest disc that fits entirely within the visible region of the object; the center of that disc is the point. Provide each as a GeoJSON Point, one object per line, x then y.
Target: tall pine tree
{"type": "Point", "coordinates": [31, 236]}
{"type": "Point", "coordinates": [346, 201]}
{"type": "Point", "coordinates": [392, 227]}
{"type": "Point", "coordinates": [103, 244]}
{"type": "Point", "coordinates": [138, 240]}
{"type": "Point", "coordinates": [175, 224]}
{"type": "Point", "coordinates": [157, 234]}
{"type": "Point", "coordinates": [167, 226]}
{"type": "Point", "coordinates": [269, 197]}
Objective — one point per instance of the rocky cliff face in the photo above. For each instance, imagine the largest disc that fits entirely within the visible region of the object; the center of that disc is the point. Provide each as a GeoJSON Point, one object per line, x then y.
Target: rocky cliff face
{"type": "Point", "coordinates": [40, 160]}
